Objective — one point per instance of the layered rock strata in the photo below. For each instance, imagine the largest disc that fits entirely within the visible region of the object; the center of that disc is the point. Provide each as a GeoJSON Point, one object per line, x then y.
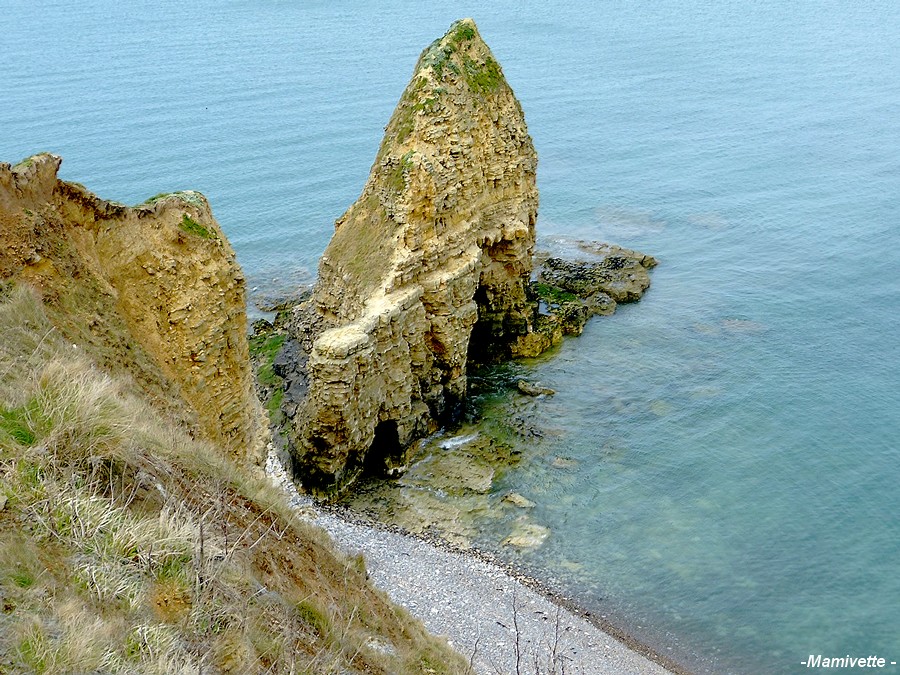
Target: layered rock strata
{"type": "Point", "coordinates": [153, 291]}
{"type": "Point", "coordinates": [427, 270]}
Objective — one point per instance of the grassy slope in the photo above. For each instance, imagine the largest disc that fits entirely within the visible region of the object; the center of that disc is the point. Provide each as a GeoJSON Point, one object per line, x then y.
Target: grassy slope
{"type": "Point", "coordinates": [128, 547]}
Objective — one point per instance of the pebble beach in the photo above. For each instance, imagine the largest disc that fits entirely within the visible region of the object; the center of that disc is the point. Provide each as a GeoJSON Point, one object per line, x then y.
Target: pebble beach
{"type": "Point", "coordinates": [501, 622]}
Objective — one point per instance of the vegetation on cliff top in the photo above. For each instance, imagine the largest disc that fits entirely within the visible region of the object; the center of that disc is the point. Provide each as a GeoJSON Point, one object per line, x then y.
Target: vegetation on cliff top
{"type": "Point", "coordinates": [191, 226]}
{"type": "Point", "coordinates": [126, 546]}
{"type": "Point", "coordinates": [450, 54]}
{"type": "Point", "coordinates": [460, 53]}
{"type": "Point", "coordinates": [482, 77]}
{"type": "Point", "coordinates": [188, 196]}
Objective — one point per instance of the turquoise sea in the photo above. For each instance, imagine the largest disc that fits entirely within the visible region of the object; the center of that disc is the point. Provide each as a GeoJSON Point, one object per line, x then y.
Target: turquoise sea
{"type": "Point", "coordinates": [731, 485]}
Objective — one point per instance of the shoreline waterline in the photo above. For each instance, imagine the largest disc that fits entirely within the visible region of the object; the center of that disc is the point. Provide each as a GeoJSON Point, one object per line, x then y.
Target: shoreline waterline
{"type": "Point", "coordinates": [355, 533]}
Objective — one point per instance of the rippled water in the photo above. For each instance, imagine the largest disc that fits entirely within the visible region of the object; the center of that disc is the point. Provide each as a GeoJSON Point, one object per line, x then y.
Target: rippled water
{"type": "Point", "coordinates": [719, 467]}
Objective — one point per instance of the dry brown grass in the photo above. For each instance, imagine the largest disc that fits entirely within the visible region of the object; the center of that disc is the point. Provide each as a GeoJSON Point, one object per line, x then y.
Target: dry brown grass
{"type": "Point", "coordinates": [128, 547]}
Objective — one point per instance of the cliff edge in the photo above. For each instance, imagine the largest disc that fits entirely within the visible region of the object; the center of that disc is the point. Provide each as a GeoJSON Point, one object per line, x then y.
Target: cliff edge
{"type": "Point", "coordinates": [426, 271]}
{"type": "Point", "coordinates": [152, 291]}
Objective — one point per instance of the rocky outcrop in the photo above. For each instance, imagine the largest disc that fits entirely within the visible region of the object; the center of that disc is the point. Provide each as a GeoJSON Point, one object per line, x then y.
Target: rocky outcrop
{"type": "Point", "coordinates": [427, 270]}
{"type": "Point", "coordinates": [532, 389]}
{"type": "Point", "coordinates": [571, 291]}
{"type": "Point", "coordinates": [152, 291]}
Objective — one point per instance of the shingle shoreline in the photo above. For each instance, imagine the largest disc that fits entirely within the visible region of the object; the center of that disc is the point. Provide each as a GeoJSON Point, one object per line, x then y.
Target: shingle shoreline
{"type": "Point", "coordinates": [494, 616]}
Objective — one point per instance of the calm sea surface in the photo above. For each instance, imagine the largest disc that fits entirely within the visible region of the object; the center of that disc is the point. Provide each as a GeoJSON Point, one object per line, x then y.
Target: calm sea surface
{"type": "Point", "coordinates": [731, 489]}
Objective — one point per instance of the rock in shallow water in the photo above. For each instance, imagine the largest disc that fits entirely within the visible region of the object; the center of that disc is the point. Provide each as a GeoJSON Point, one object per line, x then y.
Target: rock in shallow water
{"type": "Point", "coordinates": [426, 271]}
{"type": "Point", "coordinates": [527, 535]}
{"type": "Point", "coordinates": [530, 389]}
{"type": "Point", "coordinates": [429, 271]}
{"type": "Point", "coordinates": [451, 473]}
{"type": "Point", "coordinates": [572, 291]}
{"type": "Point", "coordinates": [518, 500]}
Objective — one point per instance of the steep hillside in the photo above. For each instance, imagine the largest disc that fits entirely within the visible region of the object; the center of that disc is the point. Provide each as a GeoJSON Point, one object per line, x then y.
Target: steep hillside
{"type": "Point", "coordinates": [136, 534]}
{"type": "Point", "coordinates": [152, 290]}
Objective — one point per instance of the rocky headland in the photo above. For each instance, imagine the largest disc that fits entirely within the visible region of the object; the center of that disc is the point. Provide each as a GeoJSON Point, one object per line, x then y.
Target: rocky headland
{"type": "Point", "coordinates": [138, 533]}
{"type": "Point", "coordinates": [153, 291]}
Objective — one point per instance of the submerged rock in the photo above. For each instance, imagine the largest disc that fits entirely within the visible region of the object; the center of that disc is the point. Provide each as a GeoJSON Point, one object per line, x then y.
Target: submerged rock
{"type": "Point", "coordinates": [452, 473]}
{"type": "Point", "coordinates": [530, 389]}
{"type": "Point", "coordinates": [518, 500]}
{"type": "Point", "coordinates": [564, 463]}
{"type": "Point", "coordinates": [527, 535]}
{"type": "Point", "coordinates": [445, 492]}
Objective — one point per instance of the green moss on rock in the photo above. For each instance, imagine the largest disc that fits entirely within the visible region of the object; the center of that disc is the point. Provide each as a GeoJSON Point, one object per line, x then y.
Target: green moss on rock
{"type": "Point", "coordinates": [191, 226]}
{"type": "Point", "coordinates": [553, 294]}
{"type": "Point", "coordinates": [483, 78]}
{"type": "Point", "coordinates": [265, 348]}
{"type": "Point", "coordinates": [461, 31]}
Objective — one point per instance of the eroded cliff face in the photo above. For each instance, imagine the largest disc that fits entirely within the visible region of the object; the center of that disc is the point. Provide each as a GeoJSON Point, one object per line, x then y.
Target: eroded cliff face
{"type": "Point", "coordinates": [153, 291]}
{"type": "Point", "coordinates": [429, 268]}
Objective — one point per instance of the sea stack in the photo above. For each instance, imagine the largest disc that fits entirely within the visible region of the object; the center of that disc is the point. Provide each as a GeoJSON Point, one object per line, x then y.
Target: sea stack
{"type": "Point", "coordinates": [426, 271]}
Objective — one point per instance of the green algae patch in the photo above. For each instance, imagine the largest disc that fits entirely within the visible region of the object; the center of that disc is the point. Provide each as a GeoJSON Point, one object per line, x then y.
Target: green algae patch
{"type": "Point", "coordinates": [553, 294]}
{"type": "Point", "coordinates": [191, 226]}
{"type": "Point", "coordinates": [264, 347]}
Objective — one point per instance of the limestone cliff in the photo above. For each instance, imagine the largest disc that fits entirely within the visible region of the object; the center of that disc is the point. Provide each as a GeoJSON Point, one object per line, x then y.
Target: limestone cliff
{"type": "Point", "coordinates": [152, 290]}
{"type": "Point", "coordinates": [429, 268]}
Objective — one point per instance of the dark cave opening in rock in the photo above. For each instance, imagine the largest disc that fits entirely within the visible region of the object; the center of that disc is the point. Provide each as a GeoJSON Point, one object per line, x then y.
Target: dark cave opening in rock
{"type": "Point", "coordinates": [483, 348]}
{"type": "Point", "coordinates": [499, 323]}
{"type": "Point", "coordinates": [385, 454]}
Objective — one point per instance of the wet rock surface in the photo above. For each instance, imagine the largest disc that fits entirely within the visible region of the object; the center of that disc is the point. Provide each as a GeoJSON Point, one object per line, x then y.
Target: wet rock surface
{"type": "Point", "coordinates": [447, 490]}
{"type": "Point", "coordinates": [572, 291]}
{"type": "Point", "coordinates": [516, 499]}
{"type": "Point", "coordinates": [290, 365]}
{"type": "Point", "coordinates": [532, 389]}
{"type": "Point", "coordinates": [527, 535]}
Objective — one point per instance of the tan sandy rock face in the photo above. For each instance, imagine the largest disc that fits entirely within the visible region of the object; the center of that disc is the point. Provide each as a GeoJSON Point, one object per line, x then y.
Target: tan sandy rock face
{"type": "Point", "coordinates": [427, 270]}
{"type": "Point", "coordinates": [155, 291]}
